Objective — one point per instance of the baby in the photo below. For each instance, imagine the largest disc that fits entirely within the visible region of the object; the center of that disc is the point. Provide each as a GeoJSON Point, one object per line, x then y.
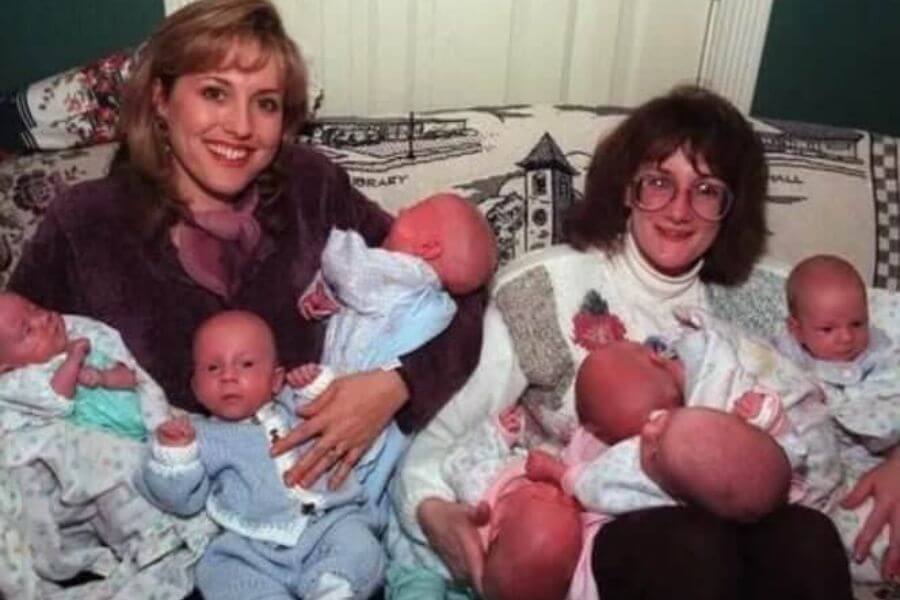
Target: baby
{"type": "Point", "coordinates": [828, 333]}
{"type": "Point", "coordinates": [72, 367]}
{"type": "Point", "coordinates": [74, 410]}
{"type": "Point", "coordinates": [278, 541]}
{"type": "Point", "coordinates": [386, 302]}
{"type": "Point", "coordinates": [630, 397]}
{"type": "Point", "coordinates": [533, 541]}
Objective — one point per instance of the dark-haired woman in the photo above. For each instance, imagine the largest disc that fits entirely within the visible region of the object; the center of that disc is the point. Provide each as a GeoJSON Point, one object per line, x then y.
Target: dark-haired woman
{"type": "Point", "coordinates": [674, 200]}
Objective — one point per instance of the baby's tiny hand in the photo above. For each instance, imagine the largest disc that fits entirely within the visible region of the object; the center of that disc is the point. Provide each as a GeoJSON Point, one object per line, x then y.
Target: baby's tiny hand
{"type": "Point", "coordinates": [90, 377]}
{"type": "Point", "coordinates": [543, 466]}
{"type": "Point", "coordinates": [749, 405]}
{"type": "Point", "coordinates": [175, 432]}
{"type": "Point", "coordinates": [303, 375]}
{"type": "Point", "coordinates": [317, 303]}
{"type": "Point", "coordinates": [120, 377]}
{"type": "Point", "coordinates": [512, 419]}
{"type": "Point", "coordinates": [79, 347]}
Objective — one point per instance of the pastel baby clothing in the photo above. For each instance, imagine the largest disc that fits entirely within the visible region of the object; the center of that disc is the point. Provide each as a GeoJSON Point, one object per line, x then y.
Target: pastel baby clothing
{"type": "Point", "coordinates": [614, 482]}
{"type": "Point", "coordinates": [71, 506]}
{"type": "Point", "coordinates": [863, 397]}
{"type": "Point", "coordinates": [117, 411]}
{"type": "Point", "coordinates": [391, 303]}
{"type": "Point", "coordinates": [864, 394]}
{"type": "Point", "coordinates": [278, 541]}
{"type": "Point", "coordinates": [27, 398]}
{"type": "Point", "coordinates": [721, 362]}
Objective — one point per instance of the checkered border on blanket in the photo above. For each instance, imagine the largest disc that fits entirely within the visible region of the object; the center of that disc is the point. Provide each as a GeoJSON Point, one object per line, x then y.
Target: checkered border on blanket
{"type": "Point", "coordinates": [887, 212]}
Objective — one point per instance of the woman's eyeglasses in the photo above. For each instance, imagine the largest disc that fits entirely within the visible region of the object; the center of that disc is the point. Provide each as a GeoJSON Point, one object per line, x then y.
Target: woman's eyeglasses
{"type": "Point", "coordinates": [709, 199]}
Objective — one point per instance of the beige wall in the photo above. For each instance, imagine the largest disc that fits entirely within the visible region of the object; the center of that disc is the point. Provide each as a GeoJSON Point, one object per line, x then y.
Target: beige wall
{"type": "Point", "coordinates": [392, 56]}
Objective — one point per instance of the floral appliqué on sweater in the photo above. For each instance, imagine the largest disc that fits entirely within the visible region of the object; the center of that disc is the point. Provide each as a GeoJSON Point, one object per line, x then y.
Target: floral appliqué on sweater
{"type": "Point", "coordinates": [593, 326]}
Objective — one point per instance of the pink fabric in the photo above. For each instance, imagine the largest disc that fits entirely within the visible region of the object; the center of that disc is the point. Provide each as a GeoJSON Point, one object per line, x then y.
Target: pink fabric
{"type": "Point", "coordinates": [583, 586]}
{"type": "Point", "coordinates": [580, 450]}
{"type": "Point", "coordinates": [214, 246]}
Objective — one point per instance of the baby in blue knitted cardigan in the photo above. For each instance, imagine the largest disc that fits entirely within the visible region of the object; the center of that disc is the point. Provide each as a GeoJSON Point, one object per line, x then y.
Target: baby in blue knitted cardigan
{"type": "Point", "coordinates": [278, 542]}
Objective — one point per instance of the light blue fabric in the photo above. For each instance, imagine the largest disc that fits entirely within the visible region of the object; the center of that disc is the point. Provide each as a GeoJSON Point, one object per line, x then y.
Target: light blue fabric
{"type": "Point", "coordinates": [864, 394]}
{"type": "Point", "coordinates": [115, 411]}
{"type": "Point", "coordinates": [238, 568]}
{"type": "Point", "coordinates": [391, 304]}
{"type": "Point", "coordinates": [274, 546]}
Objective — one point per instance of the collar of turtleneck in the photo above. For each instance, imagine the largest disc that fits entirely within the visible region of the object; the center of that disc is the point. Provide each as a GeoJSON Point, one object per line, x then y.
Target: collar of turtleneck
{"type": "Point", "coordinates": [660, 285]}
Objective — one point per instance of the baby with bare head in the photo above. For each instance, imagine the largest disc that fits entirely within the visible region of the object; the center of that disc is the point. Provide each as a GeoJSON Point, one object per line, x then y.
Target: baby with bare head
{"type": "Point", "coordinates": [630, 397]}
{"type": "Point", "coordinates": [534, 541]}
{"type": "Point", "coordinates": [828, 309]}
{"type": "Point", "coordinates": [828, 333]}
{"type": "Point", "coordinates": [54, 365]}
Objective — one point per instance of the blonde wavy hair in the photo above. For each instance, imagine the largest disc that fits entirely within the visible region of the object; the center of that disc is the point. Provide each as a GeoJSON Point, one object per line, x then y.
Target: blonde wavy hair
{"type": "Point", "coordinates": [197, 38]}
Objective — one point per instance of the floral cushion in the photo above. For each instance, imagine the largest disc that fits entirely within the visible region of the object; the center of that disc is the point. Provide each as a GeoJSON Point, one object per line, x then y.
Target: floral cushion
{"type": "Point", "coordinates": [79, 107]}
{"type": "Point", "coordinates": [29, 183]}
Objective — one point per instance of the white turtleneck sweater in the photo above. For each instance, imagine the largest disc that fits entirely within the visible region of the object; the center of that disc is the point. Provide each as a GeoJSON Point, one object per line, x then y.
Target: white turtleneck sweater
{"type": "Point", "coordinates": [529, 344]}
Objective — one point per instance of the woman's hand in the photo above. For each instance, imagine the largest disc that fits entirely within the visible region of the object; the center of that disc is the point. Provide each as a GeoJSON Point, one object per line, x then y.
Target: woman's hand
{"type": "Point", "coordinates": [346, 418]}
{"type": "Point", "coordinates": [452, 532]}
{"type": "Point", "coordinates": [883, 485]}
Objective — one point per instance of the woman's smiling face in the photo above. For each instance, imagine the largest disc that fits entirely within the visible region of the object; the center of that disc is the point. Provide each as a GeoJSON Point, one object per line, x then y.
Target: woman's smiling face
{"type": "Point", "coordinates": [224, 126]}
{"type": "Point", "coordinates": [673, 238]}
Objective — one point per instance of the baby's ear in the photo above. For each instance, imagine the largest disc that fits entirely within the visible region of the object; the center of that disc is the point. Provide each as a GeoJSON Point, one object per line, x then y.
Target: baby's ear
{"type": "Point", "coordinates": [277, 380]}
{"type": "Point", "coordinates": [793, 326]}
{"type": "Point", "coordinates": [429, 249]}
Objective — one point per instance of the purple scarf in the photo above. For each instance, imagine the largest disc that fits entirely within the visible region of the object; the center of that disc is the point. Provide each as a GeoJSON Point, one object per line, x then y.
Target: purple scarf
{"type": "Point", "coordinates": [215, 246]}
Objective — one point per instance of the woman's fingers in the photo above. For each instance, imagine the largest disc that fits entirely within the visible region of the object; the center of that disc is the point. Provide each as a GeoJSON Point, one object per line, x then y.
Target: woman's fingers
{"type": "Point", "coordinates": [862, 490]}
{"type": "Point", "coordinates": [890, 562]}
{"type": "Point", "coordinates": [870, 530]}
{"type": "Point", "coordinates": [310, 465]}
{"type": "Point", "coordinates": [346, 464]}
{"type": "Point", "coordinates": [314, 407]}
{"type": "Point", "coordinates": [297, 436]}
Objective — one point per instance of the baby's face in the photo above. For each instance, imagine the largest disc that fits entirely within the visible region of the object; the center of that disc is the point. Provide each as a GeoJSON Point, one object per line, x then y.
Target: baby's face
{"type": "Point", "coordinates": [29, 334]}
{"type": "Point", "coordinates": [832, 323]}
{"type": "Point", "coordinates": [235, 370]}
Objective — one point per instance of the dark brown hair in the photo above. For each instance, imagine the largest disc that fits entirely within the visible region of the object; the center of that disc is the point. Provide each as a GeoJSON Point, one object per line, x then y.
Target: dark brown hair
{"type": "Point", "coordinates": [705, 126]}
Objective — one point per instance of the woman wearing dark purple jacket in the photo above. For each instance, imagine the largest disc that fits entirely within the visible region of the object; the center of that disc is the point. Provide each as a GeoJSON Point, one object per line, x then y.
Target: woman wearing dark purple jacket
{"type": "Point", "coordinates": [209, 208]}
